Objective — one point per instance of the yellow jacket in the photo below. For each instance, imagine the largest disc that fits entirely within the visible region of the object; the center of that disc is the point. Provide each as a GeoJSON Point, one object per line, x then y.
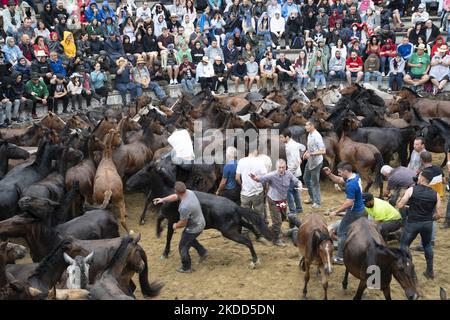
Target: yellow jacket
{"type": "Point", "coordinates": [69, 45]}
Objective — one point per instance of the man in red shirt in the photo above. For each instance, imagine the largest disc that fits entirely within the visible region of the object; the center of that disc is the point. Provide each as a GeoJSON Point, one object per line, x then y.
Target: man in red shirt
{"type": "Point", "coordinates": [354, 67]}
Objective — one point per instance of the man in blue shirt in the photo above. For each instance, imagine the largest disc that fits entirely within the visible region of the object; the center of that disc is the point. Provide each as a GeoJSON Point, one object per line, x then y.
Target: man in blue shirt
{"type": "Point", "coordinates": [228, 187]}
{"type": "Point", "coordinates": [353, 204]}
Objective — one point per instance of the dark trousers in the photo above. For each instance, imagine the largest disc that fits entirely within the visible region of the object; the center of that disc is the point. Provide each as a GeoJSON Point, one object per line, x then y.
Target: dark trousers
{"type": "Point", "coordinates": [425, 229]}
{"type": "Point", "coordinates": [232, 194]}
{"type": "Point", "coordinates": [387, 227]}
{"type": "Point", "coordinates": [187, 241]}
{"type": "Point", "coordinates": [292, 35]}
{"type": "Point", "coordinates": [53, 103]}
{"type": "Point", "coordinates": [206, 83]}
{"type": "Point", "coordinates": [277, 219]}
{"type": "Point", "coordinates": [217, 83]}
{"type": "Point", "coordinates": [76, 98]}
{"type": "Point", "coordinates": [349, 218]}
{"type": "Point", "coordinates": [102, 92]}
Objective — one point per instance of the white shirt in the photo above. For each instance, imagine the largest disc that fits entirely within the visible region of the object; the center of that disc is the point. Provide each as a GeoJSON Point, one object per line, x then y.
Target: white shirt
{"type": "Point", "coordinates": [293, 156]}
{"type": "Point", "coordinates": [277, 25]}
{"type": "Point", "coordinates": [205, 71]}
{"type": "Point", "coordinates": [246, 166]}
{"type": "Point", "coordinates": [181, 142]}
{"type": "Point", "coordinates": [143, 13]}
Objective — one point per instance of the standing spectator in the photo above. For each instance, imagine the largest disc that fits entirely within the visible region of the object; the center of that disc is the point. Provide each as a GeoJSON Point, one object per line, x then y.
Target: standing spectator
{"type": "Point", "coordinates": [285, 70]}
{"type": "Point", "coordinates": [387, 53]}
{"type": "Point", "coordinates": [420, 65]}
{"type": "Point", "coordinates": [205, 74]}
{"type": "Point", "coordinates": [318, 68]}
{"type": "Point", "coordinates": [301, 68]}
{"type": "Point", "coordinates": [267, 67]}
{"type": "Point", "coordinates": [371, 69]}
{"type": "Point", "coordinates": [99, 83]}
{"type": "Point", "coordinates": [123, 80]}
{"type": "Point", "coordinates": [252, 73]}
{"type": "Point", "coordinates": [424, 206]}
{"type": "Point", "coordinates": [294, 151]}
{"type": "Point", "coordinates": [239, 73]}
{"type": "Point", "coordinates": [228, 186]}
{"type": "Point", "coordinates": [396, 72]}
{"type": "Point", "coordinates": [279, 183]}
{"type": "Point", "coordinates": [399, 179]}
{"type": "Point", "coordinates": [336, 67]}
{"type": "Point", "coordinates": [354, 67]}
{"type": "Point", "coordinates": [419, 147]}
{"type": "Point", "coordinates": [314, 155]}
{"type": "Point", "coordinates": [353, 204]}
{"type": "Point", "coordinates": [187, 73]}
{"type": "Point", "coordinates": [38, 92]}
{"type": "Point", "coordinates": [220, 75]}
{"type": "Point", "coordinates": [277, 26]}
{"type": "Point", "coordinates": [440, 70]}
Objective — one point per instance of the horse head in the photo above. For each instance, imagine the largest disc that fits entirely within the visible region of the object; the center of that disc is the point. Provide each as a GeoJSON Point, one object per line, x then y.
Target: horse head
{"type": "Point", "coordinates": [12, 151]}
{"type": "Point", "coordinates": [38, 207]}
{"type": "Point", "coordinates": [141, 180]}
{"type": "Point", "coordinates": [78, 271]}
{"type": "Point", "coordinates": [403, 271]}
{"type": "Point", "coordinates": [15, 252]}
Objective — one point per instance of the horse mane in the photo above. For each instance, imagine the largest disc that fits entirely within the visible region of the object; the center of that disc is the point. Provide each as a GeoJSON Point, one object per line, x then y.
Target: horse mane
{"type": "Point", "coordinates": [119, 252]}
{"type": "Point", "coordinates": [49, 262]}
{"type": "Point", "coordinates": [410, 90]}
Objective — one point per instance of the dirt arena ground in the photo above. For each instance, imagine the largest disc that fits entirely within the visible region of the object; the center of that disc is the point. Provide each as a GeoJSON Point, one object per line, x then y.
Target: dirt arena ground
{"type": "Point", "coordinates": [226, 273]}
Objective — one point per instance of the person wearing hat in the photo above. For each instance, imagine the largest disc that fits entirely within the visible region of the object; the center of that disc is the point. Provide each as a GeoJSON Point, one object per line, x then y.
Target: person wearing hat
{"type": "Point", "coordinates": [123, 80]}
{"type": "Point", "coordinates": [220, 75]}
{"type": "Point", "coordinates": [421, 15]}
{"type": "Point", "coordinates": [398, 180]}
{"type": "Point", "coordinates": [440, 69]}
{"type": "Point", "coordinates": [142, 80]}
{"type": "Point", "coordinates": [205, 74]}
{"type": "Point", "coordinates": [173, 24]}
{"type": "Point", "coordinates": [38, 92]}
{"type": "Point", "coordinates": [187, 72]}
{"type": "Point", "coordinates": [420, 65]}
{"type": "Point", "coordinates": [11, 18]}
{"type": "Point", "coordinates": [424, 206]}
{"type": "Point", "coordinates": [387, 217]}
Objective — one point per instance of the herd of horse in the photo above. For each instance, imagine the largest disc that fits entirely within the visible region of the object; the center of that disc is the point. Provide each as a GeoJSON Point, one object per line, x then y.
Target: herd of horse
{"type": "Point", "coordinates": [62, 185]}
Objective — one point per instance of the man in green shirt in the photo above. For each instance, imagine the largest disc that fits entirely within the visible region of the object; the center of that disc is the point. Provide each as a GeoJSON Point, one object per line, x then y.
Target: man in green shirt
{"type": "Point", "coordinates": [38, 92]}
{"type": "Point", "coordinates": [388, 218]}
{"type": "Point", "coordinates": [420, 65]}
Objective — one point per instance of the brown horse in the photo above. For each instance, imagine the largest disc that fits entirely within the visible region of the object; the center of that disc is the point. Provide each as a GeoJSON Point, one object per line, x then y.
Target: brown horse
{"type": "Point", "coordinates": [107, 182]}
{"type": "Point", "coordinates": [364, 157]}
{"type": "Point", "coordinates": [53, 122]}
{"type": "Point", "coordinates": [316, 247]}
{"type": "Point", "coordinates": [28, 136]}
{"type": "Point", "coordinates": [235, 103]}
{"type": "Point", "coordinates": [278, 97]}
{"type": "Point", "coordinates": [127, 127]}
{"type": "Point", "coordinates": [365, 249]}
{"type": "Point", "coordinates": [104, 126]}
{"type": "Point", "coordinates": [425, 107]}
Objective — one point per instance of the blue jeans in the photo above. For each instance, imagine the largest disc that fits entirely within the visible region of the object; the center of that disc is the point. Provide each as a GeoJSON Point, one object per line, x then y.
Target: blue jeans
{"type": "Point", "coordinates": [302, 82]}
{"type": "Point", "coordinates": [319, 78]}
{"type": "Point", "coordinates": [294, 200]}
{"type": "Point", "coordinates": [336, 75]}
{"type": "Point", "coordinates": [410, 232]}
{"type": "Point", "coordinates": [376, 74]}
{"type": "Point", "coordinates": [397, 78]}
{"type": "Point", "coordinates": [349, 218]}
{"type": "Point", "coordinates": [156, 88]}
{"type": "Point", "coordinates": [188, 85]}
{"type": "Point", "coordinates": [124, 87]}
{"type": "Point", "coordinates": [311, 178]}
{"type": "Point", "coordinates": [187, 241]}
{"type": "Point", "coordinates": [383, 63]}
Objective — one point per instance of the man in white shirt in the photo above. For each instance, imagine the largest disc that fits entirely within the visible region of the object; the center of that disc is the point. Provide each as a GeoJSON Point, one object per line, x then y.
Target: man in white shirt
{"type": "Point", "coordinates": [205, 74]}
{"type": "Point", "coordinates": [419, 147]}
{"type": "Point", "coordinates": [294, 152]}
{"type": "Point", "coordinates": [277, 27]}
{"type": "Point", "coordinates": [144, 13]}
{"type": "Point", "coordinates": [252, 192]}
{"type": "Point", "coordinates": [267, 69]}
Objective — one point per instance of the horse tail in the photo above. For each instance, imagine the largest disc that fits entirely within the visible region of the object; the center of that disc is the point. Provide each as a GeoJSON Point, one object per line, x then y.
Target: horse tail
{"type": "Point", "coordinates": [256, 220]}
{"type": "Point", "coordinates": [106, 199]}
{"type": "Point", "coordinates": [378, 177]}
{"type": "Point", "coordinates": [147, 289]}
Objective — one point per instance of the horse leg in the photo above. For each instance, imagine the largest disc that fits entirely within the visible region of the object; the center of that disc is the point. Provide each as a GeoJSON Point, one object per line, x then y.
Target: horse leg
{"type": "Point", "coordinates": [144, 212]}
{"type": "Point", "coordinates": [305, 288]}
{"type": "Point", "coordinates": [324, 278]}
{"type": "Point", "coordinates": [362, 286]}
{"type": "Point", "coordinates": [234, 235]}
{"type": "Point", "coordinates": [159, 220]}
{"type": "Point", "coordinates": [365, 176]}
{"type": "Point", "coordinates": [387, 293]}
{"type": "Point", "coordinates": [166, 251]}
{"type": "Point", "coordinates": [345, 281]}
{"type": "Point", "coordinates": [123, 213]}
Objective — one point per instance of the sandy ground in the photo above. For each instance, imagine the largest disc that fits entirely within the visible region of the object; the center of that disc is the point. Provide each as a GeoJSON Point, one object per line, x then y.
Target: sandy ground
{"type": "Point", "coordinates": [226, 274]}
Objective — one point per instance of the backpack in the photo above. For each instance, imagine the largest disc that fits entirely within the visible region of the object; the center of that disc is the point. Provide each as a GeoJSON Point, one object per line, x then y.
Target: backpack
{"type": "Point", "coordinates": [297, 43]}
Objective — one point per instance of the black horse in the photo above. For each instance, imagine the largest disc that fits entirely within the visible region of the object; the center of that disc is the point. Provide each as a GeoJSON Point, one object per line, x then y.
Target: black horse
{"type": "Point", "coordinates": [220, 213]}
{"type": "Point", "coordinates": [10, 151]}
{"type": "Point", "coordinates": [15, 182]}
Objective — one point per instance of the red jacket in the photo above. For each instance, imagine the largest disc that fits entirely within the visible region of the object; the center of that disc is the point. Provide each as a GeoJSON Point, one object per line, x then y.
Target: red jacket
{"type": "Point", "coordinates": [388, 50]}
{"type": "Point", "coordinates": [354, 63]}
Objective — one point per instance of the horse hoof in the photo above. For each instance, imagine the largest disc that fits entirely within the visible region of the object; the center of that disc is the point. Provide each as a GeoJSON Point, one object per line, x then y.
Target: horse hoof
{"type": "Point", "coordinates": [164, 257]}
{"type": "Point", "coordinates": [142, 222]}
{"type": "Point", "coordinates": [253, 265]}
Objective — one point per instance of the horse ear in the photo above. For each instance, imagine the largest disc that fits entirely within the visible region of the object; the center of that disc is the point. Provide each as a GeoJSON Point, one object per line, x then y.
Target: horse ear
{"type": "Point", "coordinates": [89, 257]}
{"type": "Point", "coordinates": [443, 293]}
{"type": "Point", "coordinates": [137, 238]}
{"type": "Point", "coordinates": [68, 259]}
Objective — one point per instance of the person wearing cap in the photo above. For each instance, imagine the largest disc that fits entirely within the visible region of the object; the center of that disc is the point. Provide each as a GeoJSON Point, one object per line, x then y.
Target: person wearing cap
{"type": "Point", "coordinates": [421, 15]}
{"type": "Point", "coordinates": [173, 24]}
{"type": "Point", "coordinates": [424, 206]}
{"type": "Point", "coordinates": [267, 68]}
{"type": "Point", "coordinates": [420, 65]}
{"type": "Point", "coordinates": [205, 74]}
{"type": "Point", "coordinates": [353, 204]}
{"type": "Point", "coordinates": [38, 92]}
{"type": "Point", "coordinates": [58, 93]}
{"type": "Point", "coordinates": [123, 80]}
{"type": "Point", "coordinates": [387, 217]}
{"type": "Point", "coordinates": [187, 73]}
{"type": "Point", "coordinates": [398, 179]}
{"type": "Point", "coordinates": [11, 19]}
{"type": "Point", "coordinates": [220, 75]}
{"type": "Point", "coordinates": [440, 69]}
{"type": "Point", "coordinates": [354, 67]}
{"type": "Point", "coordinates": [277, 27]}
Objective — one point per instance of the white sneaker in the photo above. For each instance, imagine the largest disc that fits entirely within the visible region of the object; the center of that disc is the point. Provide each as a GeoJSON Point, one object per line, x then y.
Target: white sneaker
{"type": "Point", "coordinates": [175, 81]}
{"type": "Point", "coordinates": [383, 74]}
{"type": "Point", "coordinates": [315, 206]}
{"type": "Point", "coordinates": [278, 47]}
{"type": "Point", "coordinates": [171, 81]}
{"type": "Point", "coordinates": [287, 48]}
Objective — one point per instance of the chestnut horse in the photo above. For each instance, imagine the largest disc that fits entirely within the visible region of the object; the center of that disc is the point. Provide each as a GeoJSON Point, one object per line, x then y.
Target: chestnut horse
{"type": "Point", "coordinates": [53, 122]}
{"type": "Point", "coordinates": [107, 182]}
{"type": "Point", "coordinates": [425, 107]}
{"type": "Point", "coordinates": [365, 248]}
{"type": "Point", "coordinates": [316, 247]}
